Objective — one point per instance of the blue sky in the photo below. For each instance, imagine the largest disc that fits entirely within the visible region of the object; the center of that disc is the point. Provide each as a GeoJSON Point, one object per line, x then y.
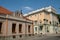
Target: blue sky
{"type": "Point", "coordinates": [29, 5]}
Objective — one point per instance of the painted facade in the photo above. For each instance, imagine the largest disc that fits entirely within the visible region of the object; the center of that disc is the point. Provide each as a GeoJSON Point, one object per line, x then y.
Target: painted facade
{"type": "Point", "coordinates": [45, 20]}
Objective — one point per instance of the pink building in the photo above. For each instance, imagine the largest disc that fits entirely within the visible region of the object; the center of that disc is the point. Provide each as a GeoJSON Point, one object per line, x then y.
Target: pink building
{"type": "Point", "coordinates": [14, 25]}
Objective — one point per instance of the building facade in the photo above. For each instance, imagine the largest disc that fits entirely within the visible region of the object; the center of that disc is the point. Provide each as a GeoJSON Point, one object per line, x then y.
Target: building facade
{"type": "Point", "coordinates": [13, 25]}
{"type": "Point", "coordinates": [45, 20]}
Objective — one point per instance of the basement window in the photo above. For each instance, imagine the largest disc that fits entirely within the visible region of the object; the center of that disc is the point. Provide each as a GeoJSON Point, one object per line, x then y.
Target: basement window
{"type": "Point", "coordinates": [14, 36]}
{"type": "Point", "coordinates": [20, 36]}
{"type": "Point", "coordinates": [29, 34]}
{"type": "Point", "coordinates": [0, 27]}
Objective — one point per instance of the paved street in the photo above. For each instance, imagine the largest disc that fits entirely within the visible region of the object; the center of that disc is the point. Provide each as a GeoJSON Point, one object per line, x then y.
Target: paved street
{"type": "Point", "coordinates": [47, 38]}
{"type": "Point", "coordinates": [50, 37]}
{"type": "Point", "coordinates": [39, 37]}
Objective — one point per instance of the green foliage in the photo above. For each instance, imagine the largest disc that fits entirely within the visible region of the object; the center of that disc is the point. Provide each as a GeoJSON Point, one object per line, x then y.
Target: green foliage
{"type": "Point", "coordinates": [58, 15]}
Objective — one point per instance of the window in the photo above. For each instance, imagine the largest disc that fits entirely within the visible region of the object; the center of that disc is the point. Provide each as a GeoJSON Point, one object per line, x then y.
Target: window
{"type": "Point", "coordinates": [41, 27]}
{"type": "Point", "coordinates": [35, 22]}
{"type": "Point", "coordinates": [40, 13]}
{"type": "Point", "coordinates": [47, 29]}
{"type": "Point", "coordinates": [20, 28]}
{"type": "Point", "coordinates": [40, 22]}
{"type": "Point", "coordinates": [29, 34]}
{"type": "Point", "coordinates": [32, 34]}
{"type": "Point", "coordinates": [29, 28]}
{"type": "Point", "coordinates": [0, 27]}
{"type": "Point", "coordinates": [50, 22]}
{"type": "Point", "coordinates": [13, 28]}
{"type": "Point", "coordinates": [14, 36]}
{"type": "Point", "coordinates": [35, 28]}
{"type": "Point", "coordinates": [57, 23]}
{"type": "Point", "coordinates": [44, 19]}
{"type": "Point", "coordinates": [35, 14]}
{"type": "Point", "coordinates": [35, 33]}
{"type": "Point", "coordinates": [20, 36]}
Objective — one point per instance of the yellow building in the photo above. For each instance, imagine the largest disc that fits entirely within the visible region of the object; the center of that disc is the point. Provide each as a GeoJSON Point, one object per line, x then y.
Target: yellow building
{"type": "Point", "coordinates": [45, 20]}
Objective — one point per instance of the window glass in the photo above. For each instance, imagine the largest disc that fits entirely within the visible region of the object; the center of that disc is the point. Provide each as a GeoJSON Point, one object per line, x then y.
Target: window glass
{"type": "Point", "coordinates": [35, 28]}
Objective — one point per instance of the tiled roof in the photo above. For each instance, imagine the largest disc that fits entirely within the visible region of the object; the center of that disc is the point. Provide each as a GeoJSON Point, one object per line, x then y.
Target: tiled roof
{"type": "Point", "coordinates": [4, 11]}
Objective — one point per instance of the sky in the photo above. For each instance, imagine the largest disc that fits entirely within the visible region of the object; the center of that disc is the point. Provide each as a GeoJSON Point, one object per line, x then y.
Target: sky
{"type": "Point", "coordinates": [29, 5]}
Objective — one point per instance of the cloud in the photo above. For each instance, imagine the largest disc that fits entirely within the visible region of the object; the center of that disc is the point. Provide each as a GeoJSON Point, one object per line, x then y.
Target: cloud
{"type": "Point", "coordinates": [28, 8]}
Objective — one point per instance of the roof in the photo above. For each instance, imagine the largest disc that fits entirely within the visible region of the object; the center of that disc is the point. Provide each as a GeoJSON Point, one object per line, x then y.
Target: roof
{"type": "Point", "coordinates": [48, 9]}
{"type": "Point", "coordinates": [4, 11]}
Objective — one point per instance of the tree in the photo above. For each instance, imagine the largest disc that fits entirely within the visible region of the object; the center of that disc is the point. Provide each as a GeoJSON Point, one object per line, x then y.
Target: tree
{"type": "Point", "coordinates": [58, 15]}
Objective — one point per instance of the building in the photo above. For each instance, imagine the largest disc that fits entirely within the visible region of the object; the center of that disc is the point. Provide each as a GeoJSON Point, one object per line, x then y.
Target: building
{"type": "Point", "coordinates": [13, 25]}
{"type": "Point", "coordinates": [45, 20]}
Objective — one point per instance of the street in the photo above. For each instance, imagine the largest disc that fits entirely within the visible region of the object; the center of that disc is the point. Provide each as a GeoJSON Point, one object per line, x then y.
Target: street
{"type": "Point", "coordinates": [47, 38]}
{"type": "Point", "coordinates": [56, 37]}
{"type": "Point", "coordinates": [37, 37]}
